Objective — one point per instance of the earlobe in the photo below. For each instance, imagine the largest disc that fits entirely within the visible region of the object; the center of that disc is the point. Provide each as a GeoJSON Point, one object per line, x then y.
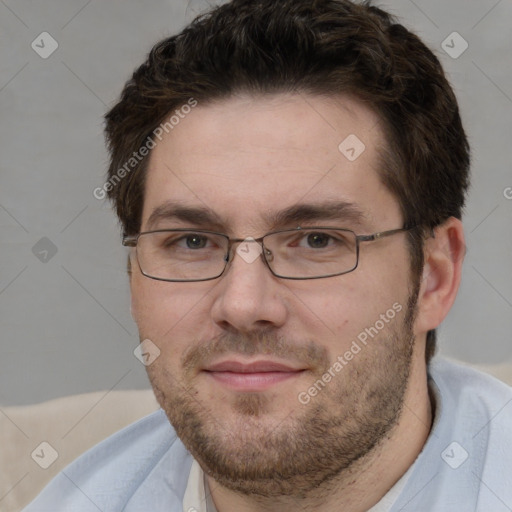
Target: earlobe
{"type": "Point", "coordinates": [444, 254]}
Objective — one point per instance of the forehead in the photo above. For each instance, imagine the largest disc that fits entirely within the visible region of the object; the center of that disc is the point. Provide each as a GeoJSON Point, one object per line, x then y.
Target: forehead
{"type": "Point", "coordinates": [247, 158]}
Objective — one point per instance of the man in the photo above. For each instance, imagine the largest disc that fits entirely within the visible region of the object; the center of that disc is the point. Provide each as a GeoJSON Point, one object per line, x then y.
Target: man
{"type": "Point", "coordinates": [290, 178]}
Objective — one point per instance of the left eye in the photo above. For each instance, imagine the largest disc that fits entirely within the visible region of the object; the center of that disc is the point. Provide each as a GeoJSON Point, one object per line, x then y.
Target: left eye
{"type": "Point", "coordinates": [317, 240]}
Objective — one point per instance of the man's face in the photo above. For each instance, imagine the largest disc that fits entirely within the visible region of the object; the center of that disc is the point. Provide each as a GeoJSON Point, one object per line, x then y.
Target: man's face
{"type": "Point", "coordinates": [242, 161]}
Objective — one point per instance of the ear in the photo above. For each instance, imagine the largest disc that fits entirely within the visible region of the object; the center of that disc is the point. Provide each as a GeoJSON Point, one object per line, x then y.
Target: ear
{"type": "Point", "coordinates": [444, 253]}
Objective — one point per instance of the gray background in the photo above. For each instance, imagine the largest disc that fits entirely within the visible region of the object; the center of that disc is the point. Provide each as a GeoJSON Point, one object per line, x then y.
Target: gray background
{"type": "Point", "coordinates": [65, 322]}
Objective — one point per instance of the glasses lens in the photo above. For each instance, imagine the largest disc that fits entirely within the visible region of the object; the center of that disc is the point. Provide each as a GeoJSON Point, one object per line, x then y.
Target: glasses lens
{"type": "Point", "coordinates": [182, 255]}
{"type": "Point", "coordinates": [310, 253]}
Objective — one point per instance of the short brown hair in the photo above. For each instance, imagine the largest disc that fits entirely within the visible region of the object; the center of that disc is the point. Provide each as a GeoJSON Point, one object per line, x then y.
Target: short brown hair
{"type": "Point", "coordinates": [327, 47]}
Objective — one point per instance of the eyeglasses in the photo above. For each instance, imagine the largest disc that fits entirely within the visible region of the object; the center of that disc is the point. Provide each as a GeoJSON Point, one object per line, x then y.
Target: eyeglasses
{"type": "Point", "coordinates": [181, 255]}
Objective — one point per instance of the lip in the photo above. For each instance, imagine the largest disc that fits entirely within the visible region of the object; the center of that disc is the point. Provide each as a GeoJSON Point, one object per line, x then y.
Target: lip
{"type": "Point", "coordinates": [254, 376]}
{"type": "Point", "coordinates": [253, 367]}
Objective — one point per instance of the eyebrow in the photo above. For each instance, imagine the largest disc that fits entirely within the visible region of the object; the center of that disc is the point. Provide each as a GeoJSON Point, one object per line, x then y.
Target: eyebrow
{"type": "Point", "coordinates": [307, 212]}
{"type": "Point", "coordinates": [201, 216]}
{"type": "Point", "coordinates": [294, 215]}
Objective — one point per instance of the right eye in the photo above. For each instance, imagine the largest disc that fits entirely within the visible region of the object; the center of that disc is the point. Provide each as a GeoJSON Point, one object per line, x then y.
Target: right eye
{"type": "Point", "coordinates": [194, 241]}
{"type": "Point", "coordinates": [191, 241]}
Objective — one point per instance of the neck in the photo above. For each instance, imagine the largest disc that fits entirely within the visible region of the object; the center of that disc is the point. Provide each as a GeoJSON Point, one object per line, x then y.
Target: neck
{"type": "Point", "coordinates": [364, 484]}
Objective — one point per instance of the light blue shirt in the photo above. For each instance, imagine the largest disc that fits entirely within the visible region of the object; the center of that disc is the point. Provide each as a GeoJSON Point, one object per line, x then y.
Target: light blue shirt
{"type": "Point", "coordinates": [465, 465]}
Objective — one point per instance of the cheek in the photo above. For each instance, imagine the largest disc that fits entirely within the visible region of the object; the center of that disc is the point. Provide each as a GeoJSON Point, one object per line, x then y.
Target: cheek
{"type": "Point", "coordinates": [169, 314]}
{"type": "Point", "coordinates": [337, 314]}
{"type": "Point", "coordinates": [147, 302]}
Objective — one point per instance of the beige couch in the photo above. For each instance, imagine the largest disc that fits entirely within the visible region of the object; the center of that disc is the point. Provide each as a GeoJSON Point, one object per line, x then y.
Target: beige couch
{"type": "Point", "coordinates": [67, 427]}
{"type": "Point", "coordinates": [70, 425]}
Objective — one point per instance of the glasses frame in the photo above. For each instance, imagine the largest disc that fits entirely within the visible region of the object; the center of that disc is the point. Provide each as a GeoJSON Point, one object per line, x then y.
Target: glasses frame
{"type": "Point", "coordinates": [132, 241]}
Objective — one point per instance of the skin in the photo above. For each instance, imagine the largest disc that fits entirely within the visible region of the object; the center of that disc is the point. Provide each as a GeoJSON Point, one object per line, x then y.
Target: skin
{"type": "Point", "coordinates": [242, 158]}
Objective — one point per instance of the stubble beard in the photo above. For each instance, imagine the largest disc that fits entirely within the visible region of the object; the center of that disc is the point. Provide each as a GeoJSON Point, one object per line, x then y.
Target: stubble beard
{"type": "Point", "coordinates": [317, 443]}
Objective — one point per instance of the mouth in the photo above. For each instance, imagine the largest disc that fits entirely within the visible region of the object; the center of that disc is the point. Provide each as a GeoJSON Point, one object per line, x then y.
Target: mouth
{"type": "Point", "coordinates": [251, 377]}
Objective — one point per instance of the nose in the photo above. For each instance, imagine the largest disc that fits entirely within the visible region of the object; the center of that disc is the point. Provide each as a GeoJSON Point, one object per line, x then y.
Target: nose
{"type": "Point", "coordinates": [248, 296]}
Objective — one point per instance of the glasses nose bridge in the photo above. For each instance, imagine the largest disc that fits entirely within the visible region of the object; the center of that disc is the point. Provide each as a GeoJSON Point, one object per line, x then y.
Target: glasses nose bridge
{"type": "Point", "coordinates": [265, 252]}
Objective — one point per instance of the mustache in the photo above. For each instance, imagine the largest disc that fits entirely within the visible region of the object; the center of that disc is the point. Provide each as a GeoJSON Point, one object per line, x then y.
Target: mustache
{"type": "Point", "coordinates": [254, 344]}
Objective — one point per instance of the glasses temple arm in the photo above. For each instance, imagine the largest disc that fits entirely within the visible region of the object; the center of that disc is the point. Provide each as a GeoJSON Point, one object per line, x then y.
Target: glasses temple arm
{"type": "Point", "coordinates": [130, 241]}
